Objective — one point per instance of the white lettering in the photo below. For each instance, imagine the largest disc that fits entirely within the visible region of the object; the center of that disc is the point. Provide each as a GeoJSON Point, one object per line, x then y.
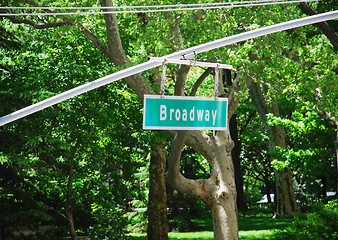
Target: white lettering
{"type": "Point", "coordinates": [200, 115]}
{"type": "Point", "coordinates": [178, 115]}
{"type": "Point", "coordinates": [171, 113]}
{"type": "Point", "coordinates": [207, 115]}
{"type": "Point", "coordinates": [213, 116]}
{"type": "Point", "coordinates": [163, 112]}
{"type": "Point", "coordinates": [192, 114]}
{"type": "Point", "coordinates": [185, 115]}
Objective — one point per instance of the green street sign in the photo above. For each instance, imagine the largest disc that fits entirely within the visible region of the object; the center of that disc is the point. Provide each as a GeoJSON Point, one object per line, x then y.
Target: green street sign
{"type": "Point", "coordinates": [184, 113]}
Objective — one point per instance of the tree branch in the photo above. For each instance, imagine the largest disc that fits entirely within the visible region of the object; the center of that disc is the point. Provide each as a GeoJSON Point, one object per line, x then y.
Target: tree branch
{"type": "Point", "coordinates": [194, 188]}
{"type": "Point", "coordinates": [66, 21]}
{"type": "Point", "coordinates": [235, 87]}
{"type": "Point", "coordinates": [323, 26]}
{"type": "Point", "coordinates": [117, 53]}
{"type": "Point", "coordinates": [175, 34]}
{"type": "Point", "coordinates": [37, 25]}
{"type": "Point", "coordinates": [94, 39]}
{"type": "Point", "coordinates": [199, 81]}
{"type": "Point", "coordinates": [84, 191]}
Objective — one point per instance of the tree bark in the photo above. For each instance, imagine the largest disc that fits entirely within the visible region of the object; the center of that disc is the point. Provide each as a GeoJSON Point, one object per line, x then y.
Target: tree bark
{"type": "Point", "coordinates": [70, 206]}
{"type": "Point", "coordinates": [157, 199]}
{"type": "Point", "coordinates": [219, 191]}
{"type": "Point", "coordinates": [286, 202]}
{"type": "Point", "coordinates": [224, 206]}
{"type": "Point", "coordinates": [118, 55]}
{"type": "Point", "coordinates": [337, 160]}
{"type": "Point", "coordinates": [235, 153]}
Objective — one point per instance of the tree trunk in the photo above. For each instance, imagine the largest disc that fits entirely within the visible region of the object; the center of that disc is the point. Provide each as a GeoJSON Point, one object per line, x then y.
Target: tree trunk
{"type": "Point", "coordinates": [286, 202]}
{"type": "Point", "coordinates": [267, 189]}
{"type": "Point", "coordinates": [223, 206]}
{"type": "Point", "coordinates": [337, 160]}
{"type": "Point", "coordinates": [157, 203]}
{"type": "Point", "coordinates": [219, 191]}
{"type": "Point", "coordinates": [235, 153]}
{"type": "Point", "coordinates": [70, 206]}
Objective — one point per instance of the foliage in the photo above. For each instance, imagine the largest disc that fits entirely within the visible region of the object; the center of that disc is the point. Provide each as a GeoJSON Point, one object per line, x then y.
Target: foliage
{"type": "Point", "coordinates": [109, 223]}
{"type": "Point", "coordinates": [137, 221]}
{"type": "Point", "coordinates": [319, 224]}
{"type": "Point", "coordinates": [99, 133]}
{"type": "Point", "coordinates": [310, 151]}
{"type": "Point", "coordinates": [86, 133]}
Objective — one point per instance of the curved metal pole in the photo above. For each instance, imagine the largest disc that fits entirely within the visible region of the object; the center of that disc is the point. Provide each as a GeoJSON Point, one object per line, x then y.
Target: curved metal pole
{"type": "Point", "coordinates": [185, 54]}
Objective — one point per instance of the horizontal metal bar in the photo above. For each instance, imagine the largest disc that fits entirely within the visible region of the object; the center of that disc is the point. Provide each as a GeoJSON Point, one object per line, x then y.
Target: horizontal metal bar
{"type": "Point", "coordinates": [77, 91]}
{"type": "Point", "coordinates": [192, 63]}
{"type": "Point", "coordinates": [191, 52]}
{"type": "Point", "coordinates": [151, 64]}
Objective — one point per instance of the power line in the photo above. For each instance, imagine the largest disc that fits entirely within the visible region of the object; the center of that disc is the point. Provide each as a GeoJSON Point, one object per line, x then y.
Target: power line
{"type": "Point", "coordinates": [158, 8]}
{"type": "Point", "coordinates": [147, 6]}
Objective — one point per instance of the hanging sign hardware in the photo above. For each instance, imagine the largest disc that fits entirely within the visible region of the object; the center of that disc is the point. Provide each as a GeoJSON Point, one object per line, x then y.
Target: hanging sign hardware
{"type": "Point", "coordinates": [192, 62]}
{"type": "Point", "coordinates": [216, 81]}
{"type": "Point", "coordinates": [163, 78]}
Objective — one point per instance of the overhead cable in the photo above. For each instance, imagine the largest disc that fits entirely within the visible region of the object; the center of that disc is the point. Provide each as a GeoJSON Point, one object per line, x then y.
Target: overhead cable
{"type": "Point", "coordinates": [157, 8]}
{"type": "Point", "coordinates": [149, 6]}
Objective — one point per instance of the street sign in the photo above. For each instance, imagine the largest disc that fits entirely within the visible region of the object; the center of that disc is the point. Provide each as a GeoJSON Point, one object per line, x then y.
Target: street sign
{"type": "Point", "coordinates": [184, 113]}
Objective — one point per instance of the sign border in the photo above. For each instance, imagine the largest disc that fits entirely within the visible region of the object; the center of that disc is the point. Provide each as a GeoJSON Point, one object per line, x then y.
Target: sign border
{"type": "Point", "coordinates": [182, 98]}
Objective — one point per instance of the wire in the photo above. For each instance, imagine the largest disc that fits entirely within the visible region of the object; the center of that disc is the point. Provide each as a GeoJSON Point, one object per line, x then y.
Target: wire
{"type": "Point", "coordinates": [140, 7]}
{"type": "Point", "coordinates": [168, 8]}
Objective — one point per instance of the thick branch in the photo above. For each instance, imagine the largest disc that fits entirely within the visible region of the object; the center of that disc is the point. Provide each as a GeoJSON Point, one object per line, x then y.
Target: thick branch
{"type": "Point", "coordinates": [323, 26]}
{"type": "Point", "coordinates": [95, 40]}
{"type": "Point", "coordinates": [235, 88]}
{"type": "Point", "coordinates": [175, 153]}
{"type": "Point", "coordinates": [199, 141]}
{"type": "Point", "coordinates": [258, 100]}
{"type": "Point", "coordinates": [194, 188]}
{"type": "Point", "coordinates": [38, 25]}
{"type": "Point", "coordinates": [181, 76]}
{"type": "Point", "coordinates": [117, 53]}
{"type": "Point", "coordinates": [200, 80]}
{"type": "Point", "coordinates": [66, 21]}
{"type": "Point", "coordinates": [175, 34]}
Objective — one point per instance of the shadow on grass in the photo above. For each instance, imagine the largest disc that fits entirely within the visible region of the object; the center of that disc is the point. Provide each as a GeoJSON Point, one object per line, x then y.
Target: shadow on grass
{"type": "Point", "coordinates": [181, 236]}
{"type": "Point", "coordinates": [137, 237]}
{"type": "Point", "coordinates": [258, 223]}
{"type": "Point", "coordinates": [250, 228]}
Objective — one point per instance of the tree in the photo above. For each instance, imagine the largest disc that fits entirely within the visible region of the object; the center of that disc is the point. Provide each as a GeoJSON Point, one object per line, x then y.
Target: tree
{"type": "Point", "coordinates": [220, 186]}
{"type": "Point", "coordinates": [310, 152]}
{"type": "Point", "coordinates": [218, 191]}
{"type": "Point", "coordinates": [286, 202]}
{"type": "Point", "coordinates": [66, 154]}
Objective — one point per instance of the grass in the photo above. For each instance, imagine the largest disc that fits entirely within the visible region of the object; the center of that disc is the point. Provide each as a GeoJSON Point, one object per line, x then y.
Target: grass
{"type": "Point", "coordinates": [250, 228]}
{"type": "Point", "coordinates": [245, 235]}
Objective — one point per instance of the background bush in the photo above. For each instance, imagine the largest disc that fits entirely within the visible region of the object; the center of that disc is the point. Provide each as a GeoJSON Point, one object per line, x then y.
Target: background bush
{"type": "Point", "coordinates": [318, 224]}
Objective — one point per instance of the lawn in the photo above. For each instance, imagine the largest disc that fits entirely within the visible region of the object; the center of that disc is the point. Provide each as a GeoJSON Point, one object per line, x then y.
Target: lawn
{"type": "Point", "coordinates": [250, 228]}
